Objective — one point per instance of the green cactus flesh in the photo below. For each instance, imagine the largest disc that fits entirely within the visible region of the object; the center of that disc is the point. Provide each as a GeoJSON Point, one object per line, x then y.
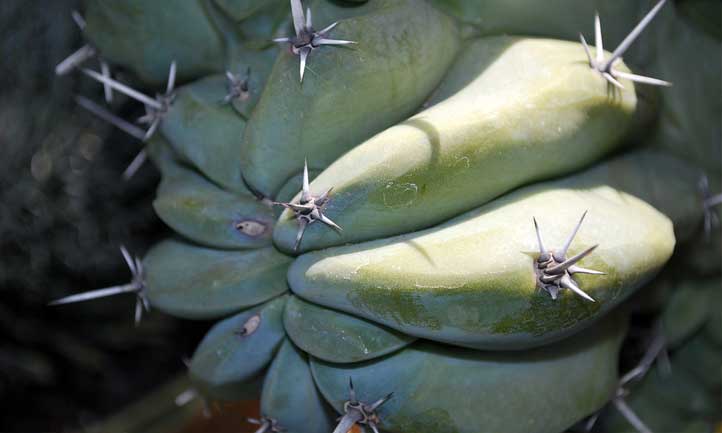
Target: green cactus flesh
{"type": "Point", "coordinates": [337, 337]}
{"type": "Point", "coordinates": [687, 310]}
{"type": "Point", "coordinates": [147, 36]}
{"type": "Point", "coordinates": [427, 210]}
{"type": "Point", "coordinates": [204, 132]}
{"type": "Point", "coordinates": [290, 396]}
{"type": "Point", "coordinates": [443, 390]}
{"type": "Point", "coordinates": [237, 349]}
{"type": "Point", "coordinates": [471, 281]}
{"type": "Point", "coordinates": [384, 77]}
{"type": "Point", "coordinates": [209, 215]}
{"type": "Point", "coordinates": [202, 283]}
{"type": "Point", "coordinates": [525, 109]}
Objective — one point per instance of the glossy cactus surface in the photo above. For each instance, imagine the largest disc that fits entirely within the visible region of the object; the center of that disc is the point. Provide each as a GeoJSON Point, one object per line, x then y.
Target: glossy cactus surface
{"type": "Point", "coordinates": [430, 216]}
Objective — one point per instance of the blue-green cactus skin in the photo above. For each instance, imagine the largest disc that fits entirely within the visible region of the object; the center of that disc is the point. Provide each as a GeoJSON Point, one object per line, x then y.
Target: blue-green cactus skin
{"type": "Point", "coordinates": [146, 36]}
{"type": "Point", "coordinates": [236, 350]}
{"type": "Point", "coordinates": [290, 396]}
{"type": "Point", "coordinates": [338, 337]}
{"type": "Point", "coordinates": [385, 76]}
{"type": "Point", "coordinates": [195, 282]}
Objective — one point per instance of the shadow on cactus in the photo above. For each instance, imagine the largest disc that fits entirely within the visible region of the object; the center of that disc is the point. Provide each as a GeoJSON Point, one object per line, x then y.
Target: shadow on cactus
{"type": "Point", "coordinates": [436, 142]}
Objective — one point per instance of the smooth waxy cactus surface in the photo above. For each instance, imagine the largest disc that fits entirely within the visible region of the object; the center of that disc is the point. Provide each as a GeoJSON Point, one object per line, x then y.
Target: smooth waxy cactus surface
{"type": "Point", "coordinates": [403, 49]}
{"type": "Point", "coordinates": [337, 337]}
{"type": "Point", "coordinates": [148, 36]}
{"type": "Point", "coordinates": [514, 107]}
{"type": "Point", "coordinates": [207, 214]}
{"type": "Point", "coordinates": [201, 283]}
{"type": "Point", "coordinates": [443, 390]}
{"type": "Point", "coordinates": [237, 349]}
{"type": "Point", "coordinates": [290, 395]}
{"type": "Point", "coordinates": [356, 189]}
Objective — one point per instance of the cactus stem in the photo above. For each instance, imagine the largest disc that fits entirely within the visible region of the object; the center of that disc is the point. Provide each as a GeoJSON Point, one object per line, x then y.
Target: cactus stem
{"type": "Point", "coordinates": [267, 425]}
{"type": "Point", "coordinates": [554, 270]}
{"type": "Point", "coordinates": [136, 286]}
{"type": "Point", "coordinates": [360, 413]}
{"type": "Point", "coordinates": [250, 326]}
{"type": "Point", "coordinates": [606, 68]}
{"type": "Point", "coordinates": [111, 118]}
{"type": "Point", "coordinates": [237, 86]}
{"type": "Point", "coordinates": [309, 209]}
{"type": "Point", "coordinates": [307, 38]}
{"type": "Point", "coordinates": [709, 201]}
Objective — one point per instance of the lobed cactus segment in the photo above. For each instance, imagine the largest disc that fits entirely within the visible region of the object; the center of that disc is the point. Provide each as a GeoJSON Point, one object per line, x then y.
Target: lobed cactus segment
{"type": "Point", "coordinates": [554, 270]}
{"type": "Point", "coordinates": [136, 286]}
{"type": "Point", "coordinates": [333, 336]}
{"type": "Point", "coordinates": [606, 67]}
{"type": "Point", "coordinates": [309, 209]}
{"type": "Point", "coordinates": [360, 413]}
{"type": "Point", "coordinates": [307, 38]}
{"type": "Point", "coordinates": [495, 115]}
{"type": "Point", "coordinates": [290, 395]}
{"type": "Point", "coordinates": [266, 425]}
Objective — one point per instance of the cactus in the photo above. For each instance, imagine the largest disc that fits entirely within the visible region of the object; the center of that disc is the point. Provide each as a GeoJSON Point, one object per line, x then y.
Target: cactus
{"type": "Point", "coordinates": [409, 218]}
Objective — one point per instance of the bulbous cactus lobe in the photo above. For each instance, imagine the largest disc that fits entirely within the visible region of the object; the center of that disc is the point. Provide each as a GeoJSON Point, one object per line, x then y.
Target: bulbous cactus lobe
{"type": "Point", "coordinates": [195, 282]}
{"type": "Point", "coordinates": [472, 280]}
{"type": "Point", "coordinates": [337, 337]}
{"type": "Point", "coordinates": [384, 77]}
{"type": "Point", "coordinates": [515, 107]}
{"type": "Point", "coordinates": [228, 357]}
{"type": "Point", "coordinates": [144, 37]}
{"type": "Point", "coordinates": [442, 390]}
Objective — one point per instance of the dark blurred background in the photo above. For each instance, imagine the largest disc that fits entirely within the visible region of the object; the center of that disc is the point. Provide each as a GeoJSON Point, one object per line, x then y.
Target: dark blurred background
{"type": "Point", "coordinates": [64, 212]}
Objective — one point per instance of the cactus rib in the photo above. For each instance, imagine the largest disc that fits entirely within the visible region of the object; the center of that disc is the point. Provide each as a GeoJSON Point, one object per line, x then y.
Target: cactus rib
{"type": "Point", "coordinates": [554, 270]}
